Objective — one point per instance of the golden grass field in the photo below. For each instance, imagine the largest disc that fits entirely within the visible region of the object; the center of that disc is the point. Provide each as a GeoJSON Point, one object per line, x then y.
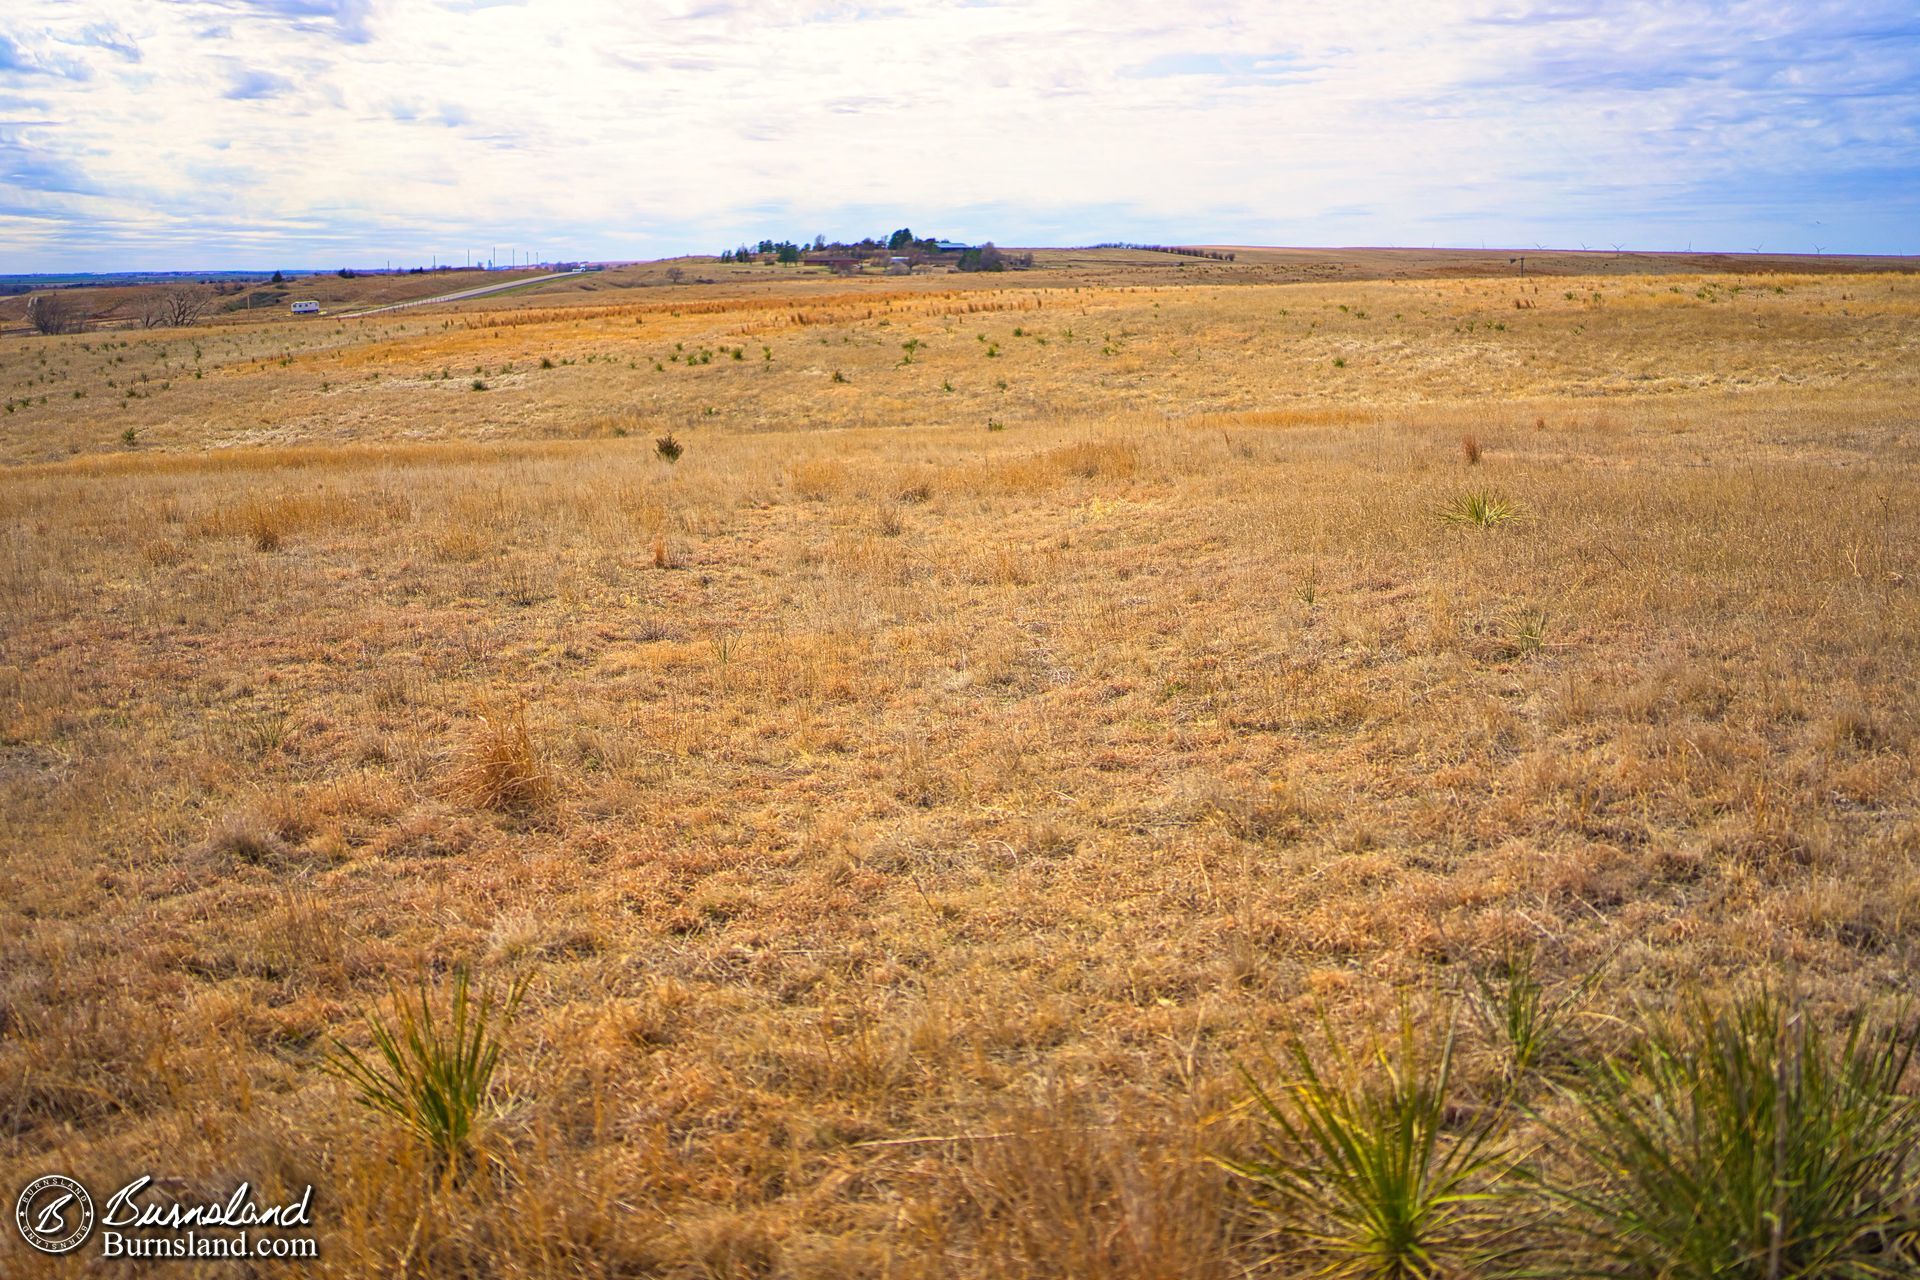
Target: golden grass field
{"type": "Point", "coordinates": [1023, 703]}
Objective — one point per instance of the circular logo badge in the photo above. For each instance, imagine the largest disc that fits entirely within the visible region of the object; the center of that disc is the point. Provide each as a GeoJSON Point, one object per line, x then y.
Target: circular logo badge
{"type": "Point", "coordinates": [54, 1213]}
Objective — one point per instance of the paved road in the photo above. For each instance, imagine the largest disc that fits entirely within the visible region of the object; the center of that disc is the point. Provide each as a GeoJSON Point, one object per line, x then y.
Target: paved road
{"type": "Point", "coordinates": [456, 297]}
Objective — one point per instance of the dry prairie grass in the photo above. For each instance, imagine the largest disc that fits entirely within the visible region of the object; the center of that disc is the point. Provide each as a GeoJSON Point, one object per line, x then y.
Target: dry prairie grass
{"type": "Point", "coordinates": [938, 355]}
{"type": "Point", "coordinates": [909, 826]}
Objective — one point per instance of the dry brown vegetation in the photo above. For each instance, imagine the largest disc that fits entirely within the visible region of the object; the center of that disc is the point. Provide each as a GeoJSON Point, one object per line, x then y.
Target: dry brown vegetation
{"type": "Point", "coordinates": [121, 308]}
{"type": "Point", "coordinates": [911, 804]}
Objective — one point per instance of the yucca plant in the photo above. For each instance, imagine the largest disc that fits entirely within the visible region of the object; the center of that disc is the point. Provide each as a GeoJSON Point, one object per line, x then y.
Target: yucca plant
{"type": "Point", "coordinates": [1513, 1007]}
{"type": "Point", "coordinates": [432, 1071]}
{"type": "Point", "coordinates": [668, 448]}
{"type": "Point", "coordinates": [1366, 1171]}
{"type": "Point", "coordinates": [1481, 509]}
{"type": "Point", "coordinates": [1525, 631]}
{"type": "Point", "coordinates": [1743, 1144]}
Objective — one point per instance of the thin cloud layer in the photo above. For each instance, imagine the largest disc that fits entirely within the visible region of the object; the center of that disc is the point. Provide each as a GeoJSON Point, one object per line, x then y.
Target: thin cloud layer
{"type": "Point", "coordinates": [326, 132]}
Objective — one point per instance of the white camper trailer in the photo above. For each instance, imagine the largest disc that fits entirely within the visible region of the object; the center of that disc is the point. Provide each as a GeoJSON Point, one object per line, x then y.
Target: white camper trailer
{"type": "Point", "coordinates": [306, 308]}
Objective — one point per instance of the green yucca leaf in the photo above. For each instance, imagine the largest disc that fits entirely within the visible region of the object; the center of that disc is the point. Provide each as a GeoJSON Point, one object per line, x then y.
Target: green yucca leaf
{"type": "Point", "coordinates": [1481, 509]}
{"type": "Point", "coordinates": [432, 1072]}
{"type": "Point", "coordinates": [1743, 1143]}
{"type": "Point", "coordinates": [1513, 1007]}
{"type": "Point", "coordinates": [1368, 1173]}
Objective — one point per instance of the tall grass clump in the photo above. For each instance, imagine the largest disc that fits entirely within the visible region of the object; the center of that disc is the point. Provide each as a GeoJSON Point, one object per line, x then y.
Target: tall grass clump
{"type": "Point", "coordinates": [1744, 1143]}
{"type": "Point", "coordinates": [1368, 1172]}
{"type": "Point", "coordinates": [1096, 459]}
{"type": "Point", "coordinates": [430, 1070]}
{"type": "Point", "coordinates": [502, 769]}
{"type": "Point", "coordinates": [1479, 508]}
{"type": "Point", "coordinates": [1060, 1190]}
{"type": "Point", "coordinates": [265, 526]}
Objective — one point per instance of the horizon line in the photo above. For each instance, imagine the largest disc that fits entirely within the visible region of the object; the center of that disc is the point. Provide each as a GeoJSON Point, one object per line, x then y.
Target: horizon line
{"type": "Point", "coordinates": [1117, 246]}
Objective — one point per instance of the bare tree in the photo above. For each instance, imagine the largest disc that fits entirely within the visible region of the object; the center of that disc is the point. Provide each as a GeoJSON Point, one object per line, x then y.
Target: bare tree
{"type": "Point", "coordinates": [675, 275]}
{"type": "Point", "coordinates": [152, 306]}
{"type": "Point", "coordinates": [174, 308]}
{"type": "Point", "coordinates": [55, 313]}
{"type": "Point", "coordinates": [187, 304]}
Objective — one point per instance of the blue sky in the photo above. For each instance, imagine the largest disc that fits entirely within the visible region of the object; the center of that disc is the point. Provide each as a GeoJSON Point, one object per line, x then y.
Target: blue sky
{"type": "Point", "coordinates": [175, 134]}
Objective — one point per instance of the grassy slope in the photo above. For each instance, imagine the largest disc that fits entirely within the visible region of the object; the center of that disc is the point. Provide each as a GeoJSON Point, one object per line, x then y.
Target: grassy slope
{"type": "Point", "coordinates": [115, 309]}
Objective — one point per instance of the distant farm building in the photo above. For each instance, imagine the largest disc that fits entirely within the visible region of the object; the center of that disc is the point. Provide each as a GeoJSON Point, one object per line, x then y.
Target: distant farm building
{"type": "Point", "coordinates": [306, 308]}
{"type": "Point", "coordinates": [950, 246]}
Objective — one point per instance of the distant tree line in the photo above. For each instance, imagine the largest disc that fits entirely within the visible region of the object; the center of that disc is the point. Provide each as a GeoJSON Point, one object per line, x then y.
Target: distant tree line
{"type": "Point", "coordinates": [850, 255]}
{"type": "Point", "coordinates": [1214, 254]}
{"type": "Point", "coordinates": [988, 258]}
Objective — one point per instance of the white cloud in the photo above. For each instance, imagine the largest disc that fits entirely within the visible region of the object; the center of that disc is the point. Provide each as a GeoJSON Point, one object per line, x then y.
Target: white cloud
{"type": "Point", "coordinates": [319, 131]}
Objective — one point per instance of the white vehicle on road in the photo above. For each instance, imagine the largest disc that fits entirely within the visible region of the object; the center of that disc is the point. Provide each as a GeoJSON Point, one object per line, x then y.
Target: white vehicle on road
{"type": "Point", "coordinates": [306, 308]}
